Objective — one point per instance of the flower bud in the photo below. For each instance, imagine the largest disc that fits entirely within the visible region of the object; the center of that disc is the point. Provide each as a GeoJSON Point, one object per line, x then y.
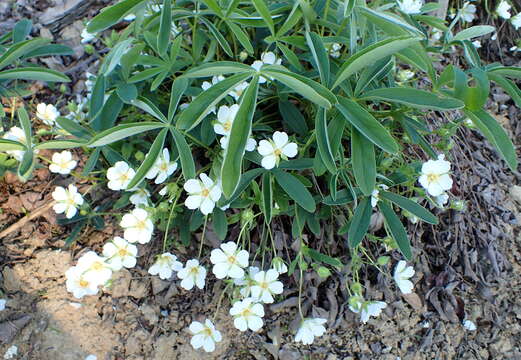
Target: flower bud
{"type": "Point", "coordinates": [243, 55]}
{"type": "Point", "coordinates": [63, 88]}
{"type": "Point", "coordinates": [323, 272]}
{"type": "Point", "coordinates": [89, 49]}
{"type": "Point", "coordinates": [458, 205]}
{"type": "Point", "coordinates": [356, 288]}
{"type": "Point", "coordinates": [139, 155]}
{"type": "Point", "coordinates": [383, 260]}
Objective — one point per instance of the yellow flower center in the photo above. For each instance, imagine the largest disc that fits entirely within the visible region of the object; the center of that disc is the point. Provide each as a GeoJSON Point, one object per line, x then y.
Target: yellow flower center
{"type": "Point", "coordinates": [246, 312]}
{"type": "Point", "coordinates": [277, 152]}
{"type": "Point", "coordinates": [123, 177]}
{"type": "Point", "coordinates": [140, 225]}
{"type": "Point", "coordinates": [70, 201]}
{"type": "Point", "coordinates": [227, 125]}
{"type": "Point", "coordinates": [83, 283]}
{"type": "Point", "coordinates": [263, 285]}
{"type": "Point", "coordinates": [163, 166]}
{"type": "Point", "coordinates": [232, 259]}
{"type": "Point", "coordinates": [194, 270]}
{"type": "Point", "coordinates": [97, 265]}
{"type": "Point", "coordinates": [433, 177]}
{"type": "Point", "coordinates": [207, 332]}
{"type": "Point", "coordinates": [205, 192]}
{"type": "Point", "coordinates": [122, 252]}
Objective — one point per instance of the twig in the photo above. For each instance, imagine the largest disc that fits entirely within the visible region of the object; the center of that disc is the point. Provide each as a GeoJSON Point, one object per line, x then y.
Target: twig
{"type": "Point", "coordinates": [20, 223]}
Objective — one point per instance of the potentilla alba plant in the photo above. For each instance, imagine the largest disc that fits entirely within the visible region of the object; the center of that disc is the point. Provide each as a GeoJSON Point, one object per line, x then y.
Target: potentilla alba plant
{"type": "Point", "coordinates": [273, 150]}
{"type": "Point", "coordinates": [119, 253]}
{"type": "Point", "coordinates": [68, 200]}
{"type": "Point", "coordinates": [47, 113]}
{"type": "Point", "coordinates": [365, 111]}
{"type": "Point", "coordinates": [309, 329]}
{"type": "Point", "coordinates": [62, 163]}
{"type": "Point", "coordinates": [229, 261]}
{"type": "Point", "coordinates": [402, 274]}
{"type": "Point", "coordinates": [205, 335]}
{"type": "Point", "coordinates": [247, 314]}
{"type": "Point", "coordinates": [165, 266]}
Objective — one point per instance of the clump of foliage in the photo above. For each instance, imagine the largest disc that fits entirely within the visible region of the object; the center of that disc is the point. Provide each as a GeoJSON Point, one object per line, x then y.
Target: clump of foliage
{"type": "Point", "coordinates": [317, 113]}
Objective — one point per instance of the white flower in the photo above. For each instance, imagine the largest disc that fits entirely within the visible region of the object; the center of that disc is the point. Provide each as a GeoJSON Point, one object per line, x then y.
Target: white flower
{"type": "Point", "coordinates": [477, 44]}
{"type": "Point", "coordinates": [247, 281]}
{"type": "Point", "coordinates": [119, 176]}
{"type": "Point", "coordinates": [375, 195]}
{"type": "Point", "coordinates": [67, 200]}
{"type": "Point", "coordinates": [2, 304]}
{"type": "Point", "coordinates": [62, 163]}
{"type": "Point", "coordinates": [366, 309]}
{"type": "Point", "coordinates": [334, 50]}
{"type": "Point", "coordinates": [78, 285]}
{"type": "Point", "coordinates": [90, 80]}
{"type": "Point", "coordinates": [468, 12]}
{"type": "Point", "coordinates": [309, 329]}
{"type": "Point", "coordinates": [516, 21]}
{"type": "Point", "coordinates": [503, 9]}
{"type": "Point", "coordinates": [11, 352]}
{"type": "Point", "coordinates": [225, 117]}
{"type": "Point", "coordinates": [140, 197]}
{"type": "Point", "coordinates": [192, 274]}
{"type": "Point", "coordinates": [204, 335]}
{"type": "Point", "coordinates": [405, 75]}
{"type": "Point", "coordinates": [436, 34]}
{"type": "Point", "coordinates": [91, 357]}
{"type": "Point", "coordinates": [238, 90]}
{"type": "Point", "coordinates": [229, 261]}
{"type": "Point", "coordinates": [247, 315]}
{"type": "Point", "coordinates": [120, 253]}
{"type": "Point", "coordinates": [469, 325]}
{"type": "Point", "coordinates": [267, 58]}
{"type": "Point", "coordinates": [87, 37]}
{"type": "Point", "coordinates": [215, 79]}
{"type": "Point", "coordinates": [138, 226]}
{"type": "Point", "coordinates": [202, 194]}
{"type": "Point", "coordinates": [410, 6]}
{"type": "Point", "coordinates": [273, 150]}
{"type": "Point", "coordinates": [266, 285]}
{"type": "Point", "coordinates": [279, 265]}
{"type": "Point", "coordinates": [95, 268]}
{"type": "Point", "coordinates": [47, 113]}
{"type": "Point", "coordinates": [129, 17]}
{"type": "Point", "coordinates": [162, 168]}
{"type": "Point", "coordinates": [16, 134]}
{"type": "Point", "coordinates": [250, 143]}
{"type": "Point", "coordinates": [435, 176]}
{"type": "Point", "coordinates": [402, 274]}
{"type": "Point", "coordinates": [165, 265]}
{"type": "Point", "coordinates": [442, 199]}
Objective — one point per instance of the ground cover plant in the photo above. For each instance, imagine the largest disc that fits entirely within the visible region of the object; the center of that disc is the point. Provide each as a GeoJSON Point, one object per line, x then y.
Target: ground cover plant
{"type": "Point", "coordinates": [229, 115]}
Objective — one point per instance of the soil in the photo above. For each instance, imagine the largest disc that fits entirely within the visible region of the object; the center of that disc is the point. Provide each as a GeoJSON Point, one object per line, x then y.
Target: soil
{"type": "Point", "coordinates": [468, 267]}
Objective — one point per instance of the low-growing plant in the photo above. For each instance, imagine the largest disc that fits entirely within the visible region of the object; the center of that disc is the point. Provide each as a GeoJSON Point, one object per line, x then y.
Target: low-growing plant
{"type": "Point", "coordinates": [319, 116]}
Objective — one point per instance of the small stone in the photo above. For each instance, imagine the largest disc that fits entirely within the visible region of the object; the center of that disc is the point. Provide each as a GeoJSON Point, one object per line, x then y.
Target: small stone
{"type": "Point", "coordinates": [150, 313]}
{"type": "Point", "coordinates": [158, 285]}
{"type": "Point", "coordinates": [120, 283]}
{"type": "Point", "coordinates": [515, 191]}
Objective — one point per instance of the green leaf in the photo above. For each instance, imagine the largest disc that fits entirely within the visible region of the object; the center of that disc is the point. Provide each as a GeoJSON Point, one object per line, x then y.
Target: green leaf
{"type": "Point", "coordinates": [390, 23]}
{"type": "Point", "coordinates": [496, 135]}
{"type": "Point", "coordinates": [473, 31]}
{"type": "Point", "coordinates": [371, 54]}
{"type": "Point", "coordinates": [295, 189]}
{"type": "Point", "coordinates": [322, 138]}
{"type": "Point", "coordinates": [218, 36]}
{"type": "Point", "coordinates": [363, 161]}
{"type": "Point", "coordinates": [49, 50]}
{"type": "Point", "coordinates": [73, 128]}
{"type": "Point", "coordinates": [263, 11]}
{"type": "Point", "coordinates": [127, 92]}
{"type": "Point", "coordinates": [246, 179]}
{"type": "Point", "coordinates": [508, 71]}
{"type": "Point", "coordinates": [509, 86]}
{"type": "Point", "coordinates": [26, 166]}
{"type": "Point", "coordinates": [203, 103]}
{"type": "Point", "coordinates": [364, 122]}
{"type": "Point", "coordinates": [414, 98]}
{"type": "Point", "coordinates": [6, 145]}
{"type": "Point", "coordinates": [293, 118]}
{"type": "Point", "coordinates": [165, 25]}
{"type": "Point", "coordinates": [397, 230]}
{"type": "Point", "coordinates": [35, 74]}
{"type": "Point", "coordinates": [220, 224]}
{"type": "Point", "coordinates": [326, 259]}
{"type": "Point", "coordinates": [21, 29]}
{"type": "Point", "coordinates": [308, 88]}
{"type": "Point", "coordinates": [360, 222]}
{"type": "Point", "coordinates": [267, 197]}
{"type": "Point", "coordinates": [149, 107]}
{"type": "Point", "coordinates": [217, 68]}
{"type": "Point", "coordinates": [111, 15]}
{"type": "Point", "coordinates": [123, 131]}
{"type": "Point", "coordinates": [18, 50]}
{"type": "Point", "coordinates": [179, 87]}
{"type": "Point", "coordinates": [185, 154]}
{"type": "Point", "coordinates": [110, 112]}
{"type": "Point", "coordinates": [239, 134]}
{"type": "Point", "coordinates": [113, 58]}
{"type": "Point", "coordinates": [25, 122]}
{"type": "Point", "coordinates": [97, 100]}
{"type": "Point", "coordinates": [150, 159]}
{"type": "Point", "coordinates": [411, 206]}
{"type": "Point", "coordinates": [61, 144]}
{"type": "Point", "coordinates": [241, 35]}
{"type": "Point", "coordinates": [320, 56]}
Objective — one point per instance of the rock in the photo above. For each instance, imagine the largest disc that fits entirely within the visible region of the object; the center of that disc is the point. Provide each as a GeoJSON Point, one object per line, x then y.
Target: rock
{"type": "Point", "coordinates": [515, 191]}
{"type": "Point", "coordinates": [150, 313]}
{"type": "Point", "coordinates": [158, 285]}
{"type": "Point", "coordinates": [139, 288]}
{"type": "Point", "coordinates": [120, 283]}
{"type": "Point", "coordinates": [163, 347]}
{"type": "Point", "coordinates": [10, 328]}
{"type": "Point", "coordinates": [135, 341]}
{"type": "Point", "coordinates": [11, 281]}
{"type": "Point", "coordinates": [414, 300]}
